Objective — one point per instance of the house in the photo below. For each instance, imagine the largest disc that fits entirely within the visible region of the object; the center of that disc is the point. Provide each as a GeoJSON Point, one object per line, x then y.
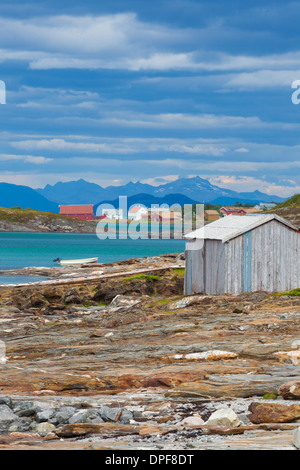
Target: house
{"type": "Point", "coordinates": [232, 211]}
{"type": "Point", "coordinates": [266, 205]}
{"type": "Point", "coordinates": [137, 212]}
{"type": "Point", "coordinates": [243, 254]}
{"type": "Point", "coordinates": [83, 211]}
{"type": "Point", "coordinates": [112, 213]}
{"type": "Point", "coordinates": [211, 215]}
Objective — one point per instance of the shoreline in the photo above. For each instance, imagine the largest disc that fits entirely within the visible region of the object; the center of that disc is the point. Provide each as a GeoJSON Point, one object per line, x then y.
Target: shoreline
{"type": "Point", "coordinates": [127, 360]}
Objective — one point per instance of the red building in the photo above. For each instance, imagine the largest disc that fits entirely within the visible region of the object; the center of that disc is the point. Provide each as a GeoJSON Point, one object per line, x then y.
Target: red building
{"type": "Point", "coordinates": [232, 211]}
{"type": "Point", "coordinates": [84, 212]}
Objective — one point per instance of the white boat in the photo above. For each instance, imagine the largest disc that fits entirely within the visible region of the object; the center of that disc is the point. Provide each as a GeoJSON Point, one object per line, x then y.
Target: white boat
{"type": "Point", "coordinates": [72, 262]}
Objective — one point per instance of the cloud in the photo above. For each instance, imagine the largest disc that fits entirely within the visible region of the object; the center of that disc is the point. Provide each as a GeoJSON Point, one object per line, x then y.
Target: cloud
{"type": "Point", "coordinates": [249, 183]}
{"type": "Point", "coordinates": [25, 158]}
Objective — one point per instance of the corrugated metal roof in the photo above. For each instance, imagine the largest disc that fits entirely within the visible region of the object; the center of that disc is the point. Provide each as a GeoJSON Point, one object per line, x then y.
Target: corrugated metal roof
{"type": "Point", "coordinates": [231, 226]}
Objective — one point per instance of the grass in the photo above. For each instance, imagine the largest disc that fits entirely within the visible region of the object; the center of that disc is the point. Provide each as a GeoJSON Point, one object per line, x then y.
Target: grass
{"type": "Point", "coordinates": [179, 271]}
{"type": "Point", "coordinates": [289, 202]}
{"type": "Point", "coordinates": [293, 292]}
{"type": "Point", "coordinates": [141, 276]}
{"type": "Point", "coordinates": [16, 214]}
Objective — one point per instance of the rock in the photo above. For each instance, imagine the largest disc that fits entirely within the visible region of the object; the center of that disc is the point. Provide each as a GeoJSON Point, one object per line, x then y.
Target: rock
{"type": "Point", "coordinates": [124, 301]}
{"type": "Point", "coordinates": [6, 401]}
{"type": "Point", "coordinates": [72, 296]}
{"type": "Point", "coordinates": [289, 356]}
{"type": "Point", "coordinates": [63, 416]}
{"type": "Point", "coordinates": [273, 413]}
{"type": "Point", "coordinates": [7, 415]}
{"type": "Point", "coordinates": [86, 416]}
{"type": "Point", "coordinates": [290, 390]}
{"type": "Point", "coordinates": [213, 355]}
{"type": "Point", "coordinates": [296, 438]}
{"type": "Point", "coordinates": [45, 415]}
{"type": "Point", "coordinates": [44, 428]}
{"type": "Point", "coordinates": [126, 416]}
{"type": "Point", "coordinates": [224, 417]}
{"type": "Point", "coordinates": [110, 414]}
{"type": "Point", "coordinates": [192, 421]}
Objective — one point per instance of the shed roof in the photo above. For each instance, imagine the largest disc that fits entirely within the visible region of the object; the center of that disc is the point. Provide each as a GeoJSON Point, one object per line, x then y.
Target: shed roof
{"type": "Point", "coordinates": [232, 226]}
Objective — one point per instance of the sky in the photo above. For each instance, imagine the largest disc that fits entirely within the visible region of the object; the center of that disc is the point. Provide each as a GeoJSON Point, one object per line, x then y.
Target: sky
{"type": "Point", "coordinates": [131, 90]}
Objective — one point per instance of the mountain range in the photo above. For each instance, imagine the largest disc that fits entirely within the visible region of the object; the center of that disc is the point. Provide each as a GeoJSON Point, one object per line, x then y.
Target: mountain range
{"type": "Point", "coordinates": [196, 189]}
{"type": "Point", "coordinates": [12, 195]}
{"type": "Point", "coordinates": [182, 191]}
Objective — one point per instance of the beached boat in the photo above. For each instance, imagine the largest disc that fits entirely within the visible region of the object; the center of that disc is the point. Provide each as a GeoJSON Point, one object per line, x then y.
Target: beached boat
{"type": "Point", "coordinates": [71, 262]}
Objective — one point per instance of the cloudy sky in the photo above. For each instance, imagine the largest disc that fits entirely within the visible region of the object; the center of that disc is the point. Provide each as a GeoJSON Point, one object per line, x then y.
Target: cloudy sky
{"type": "Point", "coordinates": [133, 90]}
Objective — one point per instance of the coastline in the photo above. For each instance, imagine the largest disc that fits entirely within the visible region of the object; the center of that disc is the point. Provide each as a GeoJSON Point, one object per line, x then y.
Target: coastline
{"type": "Point", "coordinates": [122, 354]}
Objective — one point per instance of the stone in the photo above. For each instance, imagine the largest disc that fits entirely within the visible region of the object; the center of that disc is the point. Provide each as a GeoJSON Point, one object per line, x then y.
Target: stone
{"type": "Point", "coordinates": [126, 416]}
{"type": "Point", "coordinates": [63, 416]}
{"type": "Point", "coordinates": [6, 401]}
{"type": "Point", "coordinates": [290, 390]}
{"type": "Point", "coordinates": [224, 417]}
{"type": "Point", "coordinates": [273, 413]}
{"type": "Point", "coordinates": [45, 415]}
{"type": "Point", "coordinates": [213, 355]}
{"type": "Point", "coordinates": [110, 414]}
{"type": "Point", "coordinates": [192, 421]}
{"type": "Point", "coordinates": [72, 296]}
{"type": "Point", "coordinates": [44, 428]}
{"type": "Point", "coordinates": [296, 438]}
{"type": "Point", "coordinates": [7, 415]}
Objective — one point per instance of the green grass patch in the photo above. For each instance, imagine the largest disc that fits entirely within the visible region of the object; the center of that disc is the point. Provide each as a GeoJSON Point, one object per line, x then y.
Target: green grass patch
{"type": "Point", "coordinates": [293, 292]}
{"type": "Point", "coordinates": [141, 276]}
{"type": "Point", "coordinates": [270, 396]}
{"type": "Point", "coordinates": [179, 271]}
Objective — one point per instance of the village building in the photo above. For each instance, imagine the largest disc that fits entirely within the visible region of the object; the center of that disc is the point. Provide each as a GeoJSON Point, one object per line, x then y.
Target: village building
{"type": "Point", "coordinates": [243, 254]}
{"type": "Point", "coordinates": [211, 215]}
{"type": "Point", "coordinates": [137, 212]}
{"type": "Point", "coordinates": [112, 213]}
{"type": "Point", "coordinates": [82, 211]}
{"type": "Point", "coordinates": [232, 210]}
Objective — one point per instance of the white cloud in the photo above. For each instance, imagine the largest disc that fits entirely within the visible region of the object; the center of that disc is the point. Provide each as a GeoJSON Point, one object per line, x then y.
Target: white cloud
{"type": "Point", "coordinates": [25, 158]}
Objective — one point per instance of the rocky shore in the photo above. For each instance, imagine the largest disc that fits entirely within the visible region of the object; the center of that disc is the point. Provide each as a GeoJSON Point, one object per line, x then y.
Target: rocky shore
{"type": "Point", "coordinates": [114, 356]}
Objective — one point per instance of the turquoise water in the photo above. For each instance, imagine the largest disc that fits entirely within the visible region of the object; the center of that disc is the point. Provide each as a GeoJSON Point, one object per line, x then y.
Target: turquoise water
{"type": "Point", "coordinates": [19, 250]}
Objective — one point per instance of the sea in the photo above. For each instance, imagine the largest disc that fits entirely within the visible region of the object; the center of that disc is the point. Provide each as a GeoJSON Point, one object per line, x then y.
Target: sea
{"type": "Point", "coordinates": [20, 250]}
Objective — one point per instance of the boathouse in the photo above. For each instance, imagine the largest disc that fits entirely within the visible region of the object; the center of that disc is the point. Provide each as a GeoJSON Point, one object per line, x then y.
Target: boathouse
{"type": "Point", "coordinates": [243, 254]}
{"type": "Point", "coordinates": [81, 211]}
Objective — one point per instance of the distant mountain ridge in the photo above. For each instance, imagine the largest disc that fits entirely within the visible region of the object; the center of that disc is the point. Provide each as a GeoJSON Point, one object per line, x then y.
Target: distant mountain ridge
{"type": "Point", "coordinates": [13, 195]}
{"type": "Point", "coordinates": [196, 188]}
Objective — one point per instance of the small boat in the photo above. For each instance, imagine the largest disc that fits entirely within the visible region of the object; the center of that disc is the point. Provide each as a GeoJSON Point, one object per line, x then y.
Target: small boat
{"type": "Point", "coordinates": [72, 262]}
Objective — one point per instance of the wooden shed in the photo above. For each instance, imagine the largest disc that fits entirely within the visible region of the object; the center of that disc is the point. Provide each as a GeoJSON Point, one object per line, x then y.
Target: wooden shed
{"type": "Point", "coordinates": [243, 254]}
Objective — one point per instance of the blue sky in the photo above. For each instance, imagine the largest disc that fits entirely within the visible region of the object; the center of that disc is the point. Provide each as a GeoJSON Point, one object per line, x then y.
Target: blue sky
{"type": "Point", "coordinates": [125, 90]}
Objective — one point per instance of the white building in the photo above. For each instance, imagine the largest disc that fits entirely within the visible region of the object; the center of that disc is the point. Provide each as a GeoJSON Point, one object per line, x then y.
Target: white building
{"type": "Point", "coordinates": [113, 213]}
{"type": "Point", "coordinates": [137, 212]}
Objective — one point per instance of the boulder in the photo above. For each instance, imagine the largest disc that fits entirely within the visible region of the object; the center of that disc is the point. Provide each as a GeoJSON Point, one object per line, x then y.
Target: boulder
{"type": "Point", "coordinates": [192, 421]}
{"type": "Point", "coordinates": [273, 413]}
{"type": "Point", "coordinates": [290, 390]}
{"type": "Point", "coordinates": [296, 438]}
{"type": "Point", "coordinates": [224, 417]}
{"type": "Point", "coordinates": [7, 415]}
{"type": "Point", "coordinates": [44, 429]}
{"type": "Point", "coordinates": [72, 296]}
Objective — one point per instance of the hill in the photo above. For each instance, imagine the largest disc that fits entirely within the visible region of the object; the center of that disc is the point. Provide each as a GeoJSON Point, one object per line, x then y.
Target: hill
{"type": "Point", "coordinates": [12, 195]}
{"type": "Point", "coordinates": [289, 209]}
{"type": "Point", "coordinates": [28, 220]}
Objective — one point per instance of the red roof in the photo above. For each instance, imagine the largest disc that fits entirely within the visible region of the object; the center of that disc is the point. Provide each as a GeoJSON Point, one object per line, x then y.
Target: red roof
{"type": "Point", "coordinates": [80, 209]}
{"type": "Point", "coordinates": [135, 209]}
